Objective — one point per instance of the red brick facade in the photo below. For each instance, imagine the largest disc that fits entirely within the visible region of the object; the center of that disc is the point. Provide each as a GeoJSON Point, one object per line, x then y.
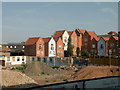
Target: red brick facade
{"type": "Point", "coordinates": [34, 47]}
{"type": "Point", "coordinates": [59, 47]}
{"type": "Point", "coordinates": [86, 39]}
{"type": "Point", "coordinates": [74, 41]}
{"type": "Point", "coordinates": [94, 46]}
{"type": "Point", "coordinates": [113, 46]}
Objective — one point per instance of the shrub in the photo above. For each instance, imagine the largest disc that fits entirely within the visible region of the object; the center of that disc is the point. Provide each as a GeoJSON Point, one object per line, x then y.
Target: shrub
{"type": "Point", "coordinates": [42, 73]}
{"type": "Point", "coordinates": [65, 80]}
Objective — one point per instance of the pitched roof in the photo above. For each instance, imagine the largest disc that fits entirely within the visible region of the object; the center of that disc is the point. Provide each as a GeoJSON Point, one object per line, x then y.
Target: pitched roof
{"type": "Point", "coordinates": [81, 31]}
{"type": "Point", "coordinates": [58, 33]}
{"type": "Point", "coordinates": [93, 35]}
{"type": "Point", "coordinates": [116, 38]}
{"type": "Point", "coordinates": [46, 39]}
{"type": "Point", "coordinates": [104, 35]}
{"type": "Point", "coordinates": [31, 41]}
{"type": "Point", "coordinates": [106, 38]}
{"type": "Point", "coordinates": [70, 33]}
{"type": "Point", "coordinates": [56, 39]}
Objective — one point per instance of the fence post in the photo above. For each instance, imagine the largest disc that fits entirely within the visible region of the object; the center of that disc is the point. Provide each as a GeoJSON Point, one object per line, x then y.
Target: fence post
{"type": "Point", "coordinates": [83, 84]}
{"type": "Point", "coordinates": [54, 60]}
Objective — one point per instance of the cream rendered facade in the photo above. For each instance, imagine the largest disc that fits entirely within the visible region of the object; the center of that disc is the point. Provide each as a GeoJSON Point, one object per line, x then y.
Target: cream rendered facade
{"type": "Point", "coordinates": [52, 48]}
{"type": "Point", "coordinates": [65, 38]}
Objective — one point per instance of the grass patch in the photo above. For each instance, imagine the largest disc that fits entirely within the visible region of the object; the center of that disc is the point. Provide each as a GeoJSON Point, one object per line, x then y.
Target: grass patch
{"type": "Point", "coordinates": [54, 80]}
{"type": "Point", "coordinates": [55, 67]}
{"type": "Point", "coordinates": [42, 73]}
{"type": "Point", "coordinates": [46, 81]}
{"type": "Point", "coordinates": [65, 80]}
{"type": "Point", "coordinates": [20, 68]}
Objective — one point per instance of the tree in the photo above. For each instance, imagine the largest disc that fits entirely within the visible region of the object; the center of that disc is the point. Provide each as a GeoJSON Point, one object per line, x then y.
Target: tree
{"type": "Point", "coordinates": [78, 51]}
{"type": "Point", "coordinates": [85, 54]}
{"type": "Point", "coordinates": [70, 47]}
{"type": "Point", "coordinates": [70, 52]}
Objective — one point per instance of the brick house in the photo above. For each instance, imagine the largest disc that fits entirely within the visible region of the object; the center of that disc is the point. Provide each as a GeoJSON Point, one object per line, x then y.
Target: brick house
{"type": "Point", "coordinates": [79, 33]}
{"type": "Point", "coordinates": [94, 49]}
{"type": "Point", "coordinates": [59, 47]}
{"type": "Point", "coordinates": [86, 43]}
{"type": "Point", "coordinates": [113, 46]}
{"type": "Point", "coordinates": [74, 40]}
{"type": "Point", "coordinates": [34, 47]}
{"type": "Point", "coordinates": [93, 42]}
{"type": "Point", "coordinates": [63, 34]}
{"type": "Point", "coordinates": [49, 47]}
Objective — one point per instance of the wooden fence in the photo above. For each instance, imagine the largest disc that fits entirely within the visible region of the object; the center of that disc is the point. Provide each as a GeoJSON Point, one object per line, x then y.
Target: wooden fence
{"type": "Point", "coordinates": [105, 61]}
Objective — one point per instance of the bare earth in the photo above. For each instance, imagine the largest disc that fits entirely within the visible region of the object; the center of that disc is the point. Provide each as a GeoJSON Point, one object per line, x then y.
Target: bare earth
{"type": "Point", "coordinates": [38, 73]}
{"type": "Point", "coordinates": [16, 79]}
{"type": "Point", "coordinates": [91, 72]}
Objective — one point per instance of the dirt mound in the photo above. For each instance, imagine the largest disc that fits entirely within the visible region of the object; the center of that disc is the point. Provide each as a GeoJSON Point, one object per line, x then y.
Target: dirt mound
{"type": "Point", "coordinates": [37, 68]}
{"type": "Point", "coordinates": [96, 72]}
{"type": "Point", "coordinates": [16, 79]}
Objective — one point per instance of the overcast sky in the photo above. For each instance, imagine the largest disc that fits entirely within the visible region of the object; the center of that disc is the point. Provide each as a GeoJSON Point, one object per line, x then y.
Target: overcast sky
{"type": "Point", "coordinates": [32, 19]}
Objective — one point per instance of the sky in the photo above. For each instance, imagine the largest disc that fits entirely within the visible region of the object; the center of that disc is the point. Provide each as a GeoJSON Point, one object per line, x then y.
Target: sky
{"type": "Point", "coordinates": [22, 20]}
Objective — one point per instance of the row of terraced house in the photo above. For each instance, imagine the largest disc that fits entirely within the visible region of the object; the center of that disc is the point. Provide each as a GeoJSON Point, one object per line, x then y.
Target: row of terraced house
{"type": "Point", "coordinates": [87, 41]}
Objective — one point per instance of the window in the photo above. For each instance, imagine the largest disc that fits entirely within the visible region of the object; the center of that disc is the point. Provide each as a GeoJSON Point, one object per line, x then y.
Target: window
{"type": "Point", "coordinates": [58, 53]}
{"type": "Point", "coordinates": [93, 45]}
{"type": "Point", "coordinates": [73, 39]}
{"type": "Point", "coordinates": [40, 46]}
{"type": "Point", "coordinates": [14, 46]}
{"type": "Point", "coordinates": [65, 39]}
{"type": "Point", "coordinates": [85, 45]}
{"type": "Point", "coordinates": [110, 51]}
{"type": "Point", "coordinates": [38, 52]}
{"type": "Point", "coordinates": [50, 60]}
{"type": "Point", "coordinates": [33, 59]}
{"type": "Point", "coordinates": [44, 60]}
{"type": "Point", "coordinates": [85, 39]}
{"type": "Point", "coordinates": [59, 47]}
{"type": "Point", "coordinates": [38, 58]}
{"type": "Point", "coordinates": [22, 59]}
{"type": "Point", "coordinates": [18, 59]}
{"type": "Point", "coordinates": [23, 46]}
{"type": "Point", "coordinates": [92, 51]}
{"type": "Point", "coordinates": [52, 47]}
{"type": "Point", "coordinates": [114, 50]}
{"type": "Point", "coordinates": [11, 46]}
{"type": "Point", "coordinates": [101, 46]}
{"type": "Point", "coordinates": [112, 45]}
{"type": "Point", "coordinates": [7, 46]}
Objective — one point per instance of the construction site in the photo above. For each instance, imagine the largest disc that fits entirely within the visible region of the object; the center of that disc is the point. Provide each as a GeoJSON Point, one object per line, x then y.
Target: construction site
{"type": "Point", "coordinates": [37, 73]}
